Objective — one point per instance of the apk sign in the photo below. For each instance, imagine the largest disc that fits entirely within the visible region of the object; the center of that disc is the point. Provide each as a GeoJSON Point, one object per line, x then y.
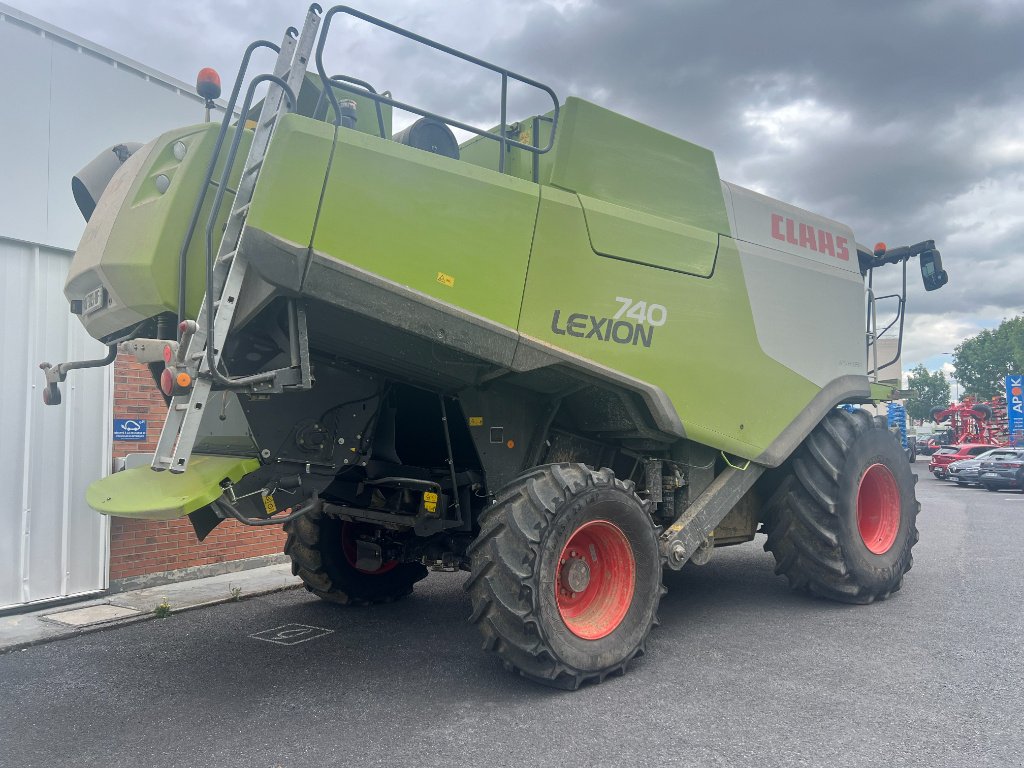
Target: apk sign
{"type": "Point", "coordinates": [1015, 409]}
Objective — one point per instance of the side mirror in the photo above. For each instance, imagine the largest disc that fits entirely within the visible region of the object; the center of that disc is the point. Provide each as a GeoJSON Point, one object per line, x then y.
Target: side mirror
{"type": "Point", "coordinates": [932, 273]}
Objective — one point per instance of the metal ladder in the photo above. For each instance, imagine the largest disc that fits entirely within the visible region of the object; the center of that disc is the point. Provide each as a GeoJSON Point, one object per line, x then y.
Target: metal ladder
{"type": "Point", "coordinates": [178, 436]}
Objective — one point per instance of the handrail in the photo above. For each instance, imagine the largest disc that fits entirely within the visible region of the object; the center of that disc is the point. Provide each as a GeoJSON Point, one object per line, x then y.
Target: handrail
{"type": "Point", "coordinates": [229, 112]}
{"type": "Point", "coordinates": [872, 333]}
{"type": "Point", "coordinates": [503, 140]}
{"type": "Point", "coordinates": [211, 222]}
{"type": "Point", "coordinates": [901, 302]}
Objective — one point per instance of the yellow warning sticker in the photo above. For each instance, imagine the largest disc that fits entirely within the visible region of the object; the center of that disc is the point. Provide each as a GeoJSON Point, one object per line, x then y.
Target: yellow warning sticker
{"type": "Point", "coordinates": [430, 506]}
{"type": "Point", "coordinates": [269, 505]}
{"type": "Point", "coordinates": [444, 279]}
{"type": "Point", "coordinates": [476, 421]}
{"type": "Point", "coordinates": [430, 496]}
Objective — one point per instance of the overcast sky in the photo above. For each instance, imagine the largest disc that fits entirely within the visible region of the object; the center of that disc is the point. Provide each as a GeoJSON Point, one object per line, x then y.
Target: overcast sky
{"type": "Point", "coordinates": [901, 118]}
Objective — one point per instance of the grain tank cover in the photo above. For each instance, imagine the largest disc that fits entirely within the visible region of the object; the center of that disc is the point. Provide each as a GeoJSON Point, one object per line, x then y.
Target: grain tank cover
{"type": "Point", "coordinates": [649, 197]}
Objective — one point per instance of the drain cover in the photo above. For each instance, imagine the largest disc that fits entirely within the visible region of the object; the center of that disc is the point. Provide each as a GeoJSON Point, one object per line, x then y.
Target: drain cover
{"type": "Point", "coordinates": [93, 614]}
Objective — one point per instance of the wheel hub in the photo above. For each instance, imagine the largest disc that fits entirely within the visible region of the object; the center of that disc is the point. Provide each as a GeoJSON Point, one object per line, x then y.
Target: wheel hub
{"type": "Point", "coordinates": [595, 580]}
{"type": "Point", "coordinates": [878, 509]}
{"type": "Point", "coordinates": [575, 575]}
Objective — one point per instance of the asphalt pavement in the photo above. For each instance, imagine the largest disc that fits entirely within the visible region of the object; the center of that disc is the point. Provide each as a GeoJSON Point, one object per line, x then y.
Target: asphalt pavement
{"type": "Point", "coordinates": [741, 672]}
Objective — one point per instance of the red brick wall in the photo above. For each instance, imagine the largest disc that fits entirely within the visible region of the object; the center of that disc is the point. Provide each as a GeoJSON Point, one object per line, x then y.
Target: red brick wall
{"type": "Point", "coordinates": [141, 547]}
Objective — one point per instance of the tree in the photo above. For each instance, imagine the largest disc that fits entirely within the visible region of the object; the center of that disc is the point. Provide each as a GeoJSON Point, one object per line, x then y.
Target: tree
{"type": "Point", "coordinates": [983, 361]}
{"type": "Point", "coordinates": [929, 390]}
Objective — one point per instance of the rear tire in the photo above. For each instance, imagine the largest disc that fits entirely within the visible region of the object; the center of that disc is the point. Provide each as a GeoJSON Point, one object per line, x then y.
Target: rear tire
{"type": "Point", "coordinates": [566, 575]}
{"type": "Point", "coordinates": [842, 522]}
{"type": "Point", "coordinates": [984, 411]}
{"type": "Point", "coordinates": [317, 546]}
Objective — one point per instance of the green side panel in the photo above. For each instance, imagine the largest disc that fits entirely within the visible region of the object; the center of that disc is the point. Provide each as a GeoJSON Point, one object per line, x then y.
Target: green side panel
{"type": "Point", "coordinates": [644, 238]}
{"type": "Point", "coordinates": [151, 234]}
{"type": "Point", "coordinates": [692, 356]}
{"type": "Point", "coordinates": [604, 155]}
{"type": "Point", "coordinates": [139, 257]}
{"type": "Point", "coordinates": [449, 229]}
{"type": "Point", "coordinates": [148, 495]}
{"type": "Point", "coordinates": [649, 197]}
{"type": "Point", "coordinates": [882, 391]}
{"type": "Point", "coordinates": [287, 193]}
{"type": "Point", "coordinates": [518, 162]}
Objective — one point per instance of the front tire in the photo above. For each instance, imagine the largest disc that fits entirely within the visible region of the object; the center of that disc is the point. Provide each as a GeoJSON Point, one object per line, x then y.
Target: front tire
{"type": "Point", "coordinates": [842, 522]}
{"type": "Point", "coordinates": [566, 575]}
{"type": "Point", "coordinates": [322, 550]}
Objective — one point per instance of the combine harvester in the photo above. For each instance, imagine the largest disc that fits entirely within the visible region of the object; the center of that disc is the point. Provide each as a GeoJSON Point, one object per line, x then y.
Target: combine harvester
{"type": "Point", "coordinates": [559, 356]}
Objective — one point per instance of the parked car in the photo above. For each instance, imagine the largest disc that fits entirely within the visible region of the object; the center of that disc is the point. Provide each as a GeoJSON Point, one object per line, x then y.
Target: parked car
{"type": "Point", "coordinates": [967, 471]}
{"type": "Point", "coordinates": [938, 440]}
{"type": "Point", "coordinates": [947, 454]}
{"type": "Point", "coordinates": [921, 443]}
{"type": "Point", "coordinates": [1006, 472]}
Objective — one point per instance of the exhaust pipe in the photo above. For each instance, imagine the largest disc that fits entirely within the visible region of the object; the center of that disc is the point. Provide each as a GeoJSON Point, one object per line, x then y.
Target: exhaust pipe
{"type": "Point", "coordinates": [88, 184]}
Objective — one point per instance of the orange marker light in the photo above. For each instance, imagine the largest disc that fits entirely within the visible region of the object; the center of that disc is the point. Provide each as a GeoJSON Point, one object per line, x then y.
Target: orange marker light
{"type": "Point", "coordinates": [511, 443]}
{"type": "Point", "coordinates": [880, 249]}
{"type": "Point", "coordinates": [208, 83]}
{"type": "Point", "coordinates": [183, 379]}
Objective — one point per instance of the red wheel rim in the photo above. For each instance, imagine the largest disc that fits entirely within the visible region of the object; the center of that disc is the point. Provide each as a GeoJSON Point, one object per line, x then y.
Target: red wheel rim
{"type": "Point", "coordinates": [349, 533]}
{"type": "Point", "coordinates": [878, 509]}
{"type": "Point", "coordinates": [595, 579]}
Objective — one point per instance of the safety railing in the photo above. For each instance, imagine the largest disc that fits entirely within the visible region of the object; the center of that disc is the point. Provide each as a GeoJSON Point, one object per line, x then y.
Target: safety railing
{"type": "Point", "coordinates": [345, 83]}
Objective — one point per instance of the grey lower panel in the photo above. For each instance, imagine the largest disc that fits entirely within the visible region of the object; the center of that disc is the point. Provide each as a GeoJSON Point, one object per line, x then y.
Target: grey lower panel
{"type": "Point", "coordinates": [843, 389]}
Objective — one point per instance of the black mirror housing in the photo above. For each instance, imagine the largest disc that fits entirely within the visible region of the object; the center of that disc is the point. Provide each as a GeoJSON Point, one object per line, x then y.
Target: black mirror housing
{"type": "Point", "coordinates": [932, 274]}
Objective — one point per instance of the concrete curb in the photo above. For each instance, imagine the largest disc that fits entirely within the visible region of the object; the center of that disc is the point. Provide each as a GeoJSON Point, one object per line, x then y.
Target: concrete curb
{"type": "Point", "coordinates": [26, 630]}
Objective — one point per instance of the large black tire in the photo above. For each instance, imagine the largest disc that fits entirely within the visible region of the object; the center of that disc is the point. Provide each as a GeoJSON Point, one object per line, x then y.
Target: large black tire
{"type": "Point", "coordinates": [315, 544]}
{"type": "Point", "coordinates": [842, 522]}
{"type": "Point", "coordinates": [541, 527]}
{"type": "Point", "coordinates": [984, 411]}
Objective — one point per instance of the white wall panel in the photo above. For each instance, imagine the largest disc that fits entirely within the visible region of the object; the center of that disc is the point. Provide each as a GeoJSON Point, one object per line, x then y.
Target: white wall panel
{"type": "Point", "coordinates": [68, 102]}
{"type": "Point", "coordinates": [54, 545]}
{"type": "Point", "coordinates": [65, 100]}
{"type": "Point", "coordinates": [24, 131]}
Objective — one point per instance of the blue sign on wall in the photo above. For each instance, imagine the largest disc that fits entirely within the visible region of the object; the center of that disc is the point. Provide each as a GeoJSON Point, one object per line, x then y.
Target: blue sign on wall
{"type": "Point", "coordinates": [130, 429]}
{"type": "Point", "coordinates": [1015, 409]}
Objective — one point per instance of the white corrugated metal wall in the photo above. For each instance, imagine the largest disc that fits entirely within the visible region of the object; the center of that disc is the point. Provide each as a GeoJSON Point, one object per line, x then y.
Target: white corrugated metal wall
{"type": "Point", "coordinates": [52, 545]}
{"type": "Point", "coordinates": [65, 100]}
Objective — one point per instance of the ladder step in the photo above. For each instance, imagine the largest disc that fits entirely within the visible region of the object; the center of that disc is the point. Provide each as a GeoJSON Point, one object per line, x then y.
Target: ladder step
{"type": "Point", "coordinates": [269, 121]}
{"type": "Point", "coordinates": [241, 210]}
{"type": "Point", "coordinates": [254, 168]}
{"type": "Point", "coordinates": [227, 257]}
{"type": "Point", "coordinates": [181, 407]}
